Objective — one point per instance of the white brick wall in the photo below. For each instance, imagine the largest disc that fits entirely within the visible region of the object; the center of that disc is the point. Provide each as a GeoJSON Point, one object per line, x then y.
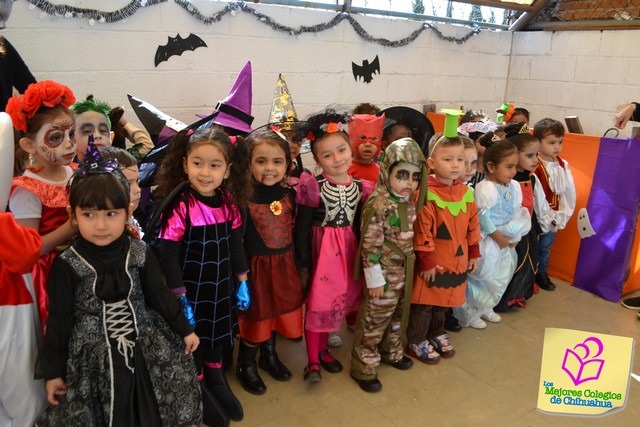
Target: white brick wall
{"type": "Point", "coordinates": [552, 74]}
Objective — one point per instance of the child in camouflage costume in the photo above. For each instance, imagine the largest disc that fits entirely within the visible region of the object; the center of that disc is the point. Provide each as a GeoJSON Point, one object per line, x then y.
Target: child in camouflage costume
{"type": "Point", "coordinates": [386, 251]}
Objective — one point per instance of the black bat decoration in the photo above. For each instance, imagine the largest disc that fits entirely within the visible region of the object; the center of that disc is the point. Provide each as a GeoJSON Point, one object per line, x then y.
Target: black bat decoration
{"type": "Point", "coordinates": [366, 70]}
{"type": "Point", "coordinates": [176, 46]}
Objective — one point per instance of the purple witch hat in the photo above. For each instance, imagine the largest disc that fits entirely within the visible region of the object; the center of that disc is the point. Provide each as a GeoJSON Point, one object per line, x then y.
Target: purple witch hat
{"type": "Point", "coordinates": [235, 109]}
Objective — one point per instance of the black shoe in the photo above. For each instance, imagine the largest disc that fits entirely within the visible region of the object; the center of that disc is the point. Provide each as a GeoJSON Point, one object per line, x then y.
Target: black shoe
{"type": "Point", "coordinates": [333, 366]}
{"type": "Point", "coordinates": [250, 379]}
{"type": "Point", "coordinates": [216, 381]}
{"type": "Point", "coordinates": [247, 370]}
{"type": "Point", "coordinates": [631, 303]}
{"type": "Point", "coordinates": [270, 362]}
{"type": "Point", "coordinates": [402, 364]}
{"type": "Point", "coordinates": [213, 414]}
{"type": "Point", "coordinates": [544, 282]}
{"type": "Point", "coordinates": [312, 373]}
{"type": "Point", "coordinates": [370, 386]}
{"type": "Point", "coordinates": [451, 324]}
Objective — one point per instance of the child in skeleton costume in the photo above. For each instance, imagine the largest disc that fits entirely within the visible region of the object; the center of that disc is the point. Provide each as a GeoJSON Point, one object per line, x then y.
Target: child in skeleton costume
{"type": "Point", "coordinates": [446, 243]}
{"type": "Point", "coordinates": [21, 397]}
{"type": "Point", "coordinates": [365, 133]}
{"type": "Point", "coordinates": [327, 207]}
{"type": "Point", "coordinates": [38, 197]}
{"type": "Point", "coordinates": [386, 252]}
{"type": "Point", "coordinates": [204, 179]}
{"type": "Point", "coordinates": [113, 353]}
{"type": "Point", "coordinates": [503, 222]}
{"type": "Point", "coordinates": [276, 303]}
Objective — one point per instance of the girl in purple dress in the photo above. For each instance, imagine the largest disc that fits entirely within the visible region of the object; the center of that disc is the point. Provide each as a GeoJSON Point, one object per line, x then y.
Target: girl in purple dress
{"type": "Point", "coordinates": [325, 233]}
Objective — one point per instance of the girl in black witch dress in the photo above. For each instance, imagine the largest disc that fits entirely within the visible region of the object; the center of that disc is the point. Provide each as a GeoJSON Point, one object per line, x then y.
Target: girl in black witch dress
{"type": "Point", "coordinates": [200, 245]}
{"type": "Point", "coordinates": [113, 353]}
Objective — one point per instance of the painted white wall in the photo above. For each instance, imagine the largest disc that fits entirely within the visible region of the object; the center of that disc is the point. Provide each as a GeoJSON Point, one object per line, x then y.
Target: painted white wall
{"type": "Point", "coordinates": [552, 74]}
{"type": "Point", "coordinates": [110, 60]}
{"type": "Point", "coordinates": [583, 73]}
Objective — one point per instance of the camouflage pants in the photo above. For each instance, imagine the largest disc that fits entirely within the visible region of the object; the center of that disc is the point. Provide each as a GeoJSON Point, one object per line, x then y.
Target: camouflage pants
{"type": "Point", "coordinates": [379, 331]}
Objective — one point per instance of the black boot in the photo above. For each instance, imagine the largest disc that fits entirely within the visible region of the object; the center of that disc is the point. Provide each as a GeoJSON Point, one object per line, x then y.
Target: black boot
{"type": "Point", "coordinates": [213, 414]}
{"type": "Point", "coordinates": [543, 280]}
{"type": "Point", "coordinates": [247, 370]}
{"type": "Point", "coordinates": [451, 324]}
{"type": "Point", "coordinates": [217, 383]}
{"type": "Point", "coordinates": [270, 362]}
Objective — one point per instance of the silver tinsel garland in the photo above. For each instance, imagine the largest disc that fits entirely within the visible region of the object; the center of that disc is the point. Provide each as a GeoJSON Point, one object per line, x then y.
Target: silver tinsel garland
{"type": "Point", "coordinates": [232, 8]}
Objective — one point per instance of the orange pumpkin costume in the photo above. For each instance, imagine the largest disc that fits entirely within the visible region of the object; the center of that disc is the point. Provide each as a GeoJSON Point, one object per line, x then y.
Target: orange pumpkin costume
{"type": "Point", "coordinates": [447, 233]}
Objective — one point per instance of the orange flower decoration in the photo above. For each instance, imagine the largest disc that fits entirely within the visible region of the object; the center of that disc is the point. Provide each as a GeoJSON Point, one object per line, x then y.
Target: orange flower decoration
{"type": "Point", "coordinates": [44, 93]}
{"type": "Point", "coordinates": [276, 207]}
{"type": "Point", "coordinates": [332, 127]}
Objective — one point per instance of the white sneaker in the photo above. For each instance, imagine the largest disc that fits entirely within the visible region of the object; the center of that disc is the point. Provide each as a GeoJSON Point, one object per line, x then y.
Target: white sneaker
{"type": "Point", "coordinates": [478, 324]}
{"type": "Point", "coordinates": [334, 340]}
{"type": "Point", "coordinates": [491, 316]}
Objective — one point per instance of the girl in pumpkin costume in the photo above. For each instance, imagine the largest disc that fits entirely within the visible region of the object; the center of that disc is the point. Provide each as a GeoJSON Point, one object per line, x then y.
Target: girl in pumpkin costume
{"type": "Point", "coordinates": [446, 241]}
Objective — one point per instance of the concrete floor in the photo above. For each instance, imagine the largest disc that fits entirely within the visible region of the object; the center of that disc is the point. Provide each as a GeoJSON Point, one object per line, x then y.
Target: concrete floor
{"type": "Point", "coordinates": [491, 381]}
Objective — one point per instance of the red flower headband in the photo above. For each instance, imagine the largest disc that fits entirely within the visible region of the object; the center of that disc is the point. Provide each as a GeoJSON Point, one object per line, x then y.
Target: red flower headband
{"type": "Point", "coordinates": [45, 93]}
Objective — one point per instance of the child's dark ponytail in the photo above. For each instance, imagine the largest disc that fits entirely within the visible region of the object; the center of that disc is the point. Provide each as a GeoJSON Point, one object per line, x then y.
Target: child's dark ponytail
{"type": "Point", "coordinates": [171, 170]}
{"type": "Point", "coordinates": [497, 151]}
{"type": "Point", "coordinates": [239, 183]}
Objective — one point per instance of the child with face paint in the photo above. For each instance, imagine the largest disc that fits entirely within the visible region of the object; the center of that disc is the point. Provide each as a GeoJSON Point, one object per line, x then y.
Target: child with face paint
{"type": "Point", "coordinates": [386, 252]}
{"type": "Point", "coordinates": [38, 198]}
{"type": "Point", "coordinates": [91, 118]}
{"type": "Point", "coordinates": [365, 134]}
{"type": "Point", "coordinates": [446, 241]}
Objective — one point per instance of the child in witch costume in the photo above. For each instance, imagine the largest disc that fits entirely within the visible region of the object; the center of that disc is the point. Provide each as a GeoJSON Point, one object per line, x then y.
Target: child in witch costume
{"type": "Point", "coordinates": [365, 133]}
{"type": "Point", "coordinates": [327, 207]}
{"type": "Point", "coordinates": [204, 178]}
{"type": "Point", "coordinates": [113, 353]}
{"type": "Point", "coordinates": [521, 286]}
{"type": "Point", "coordinates": [405, 122]}
{"type": "Point", "coordinates": [446, 241]}
{"type": "Point", "coordinates": [234, 112]}
{"type": "Point", "coordinates": [283, 116]}
{"type": "Point", "coordinates": [38, 197]}
{"type": "Point", "coordinates": [386, 252]}
{"type": "Point", "coordinates": [276, 303]}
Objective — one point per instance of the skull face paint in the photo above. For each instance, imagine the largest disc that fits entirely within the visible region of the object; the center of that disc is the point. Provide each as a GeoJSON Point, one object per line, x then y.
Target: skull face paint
{"type": "Point", "coordinates": [404, 179]}
{"type": "Point", "coordinates": [54, 142]}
